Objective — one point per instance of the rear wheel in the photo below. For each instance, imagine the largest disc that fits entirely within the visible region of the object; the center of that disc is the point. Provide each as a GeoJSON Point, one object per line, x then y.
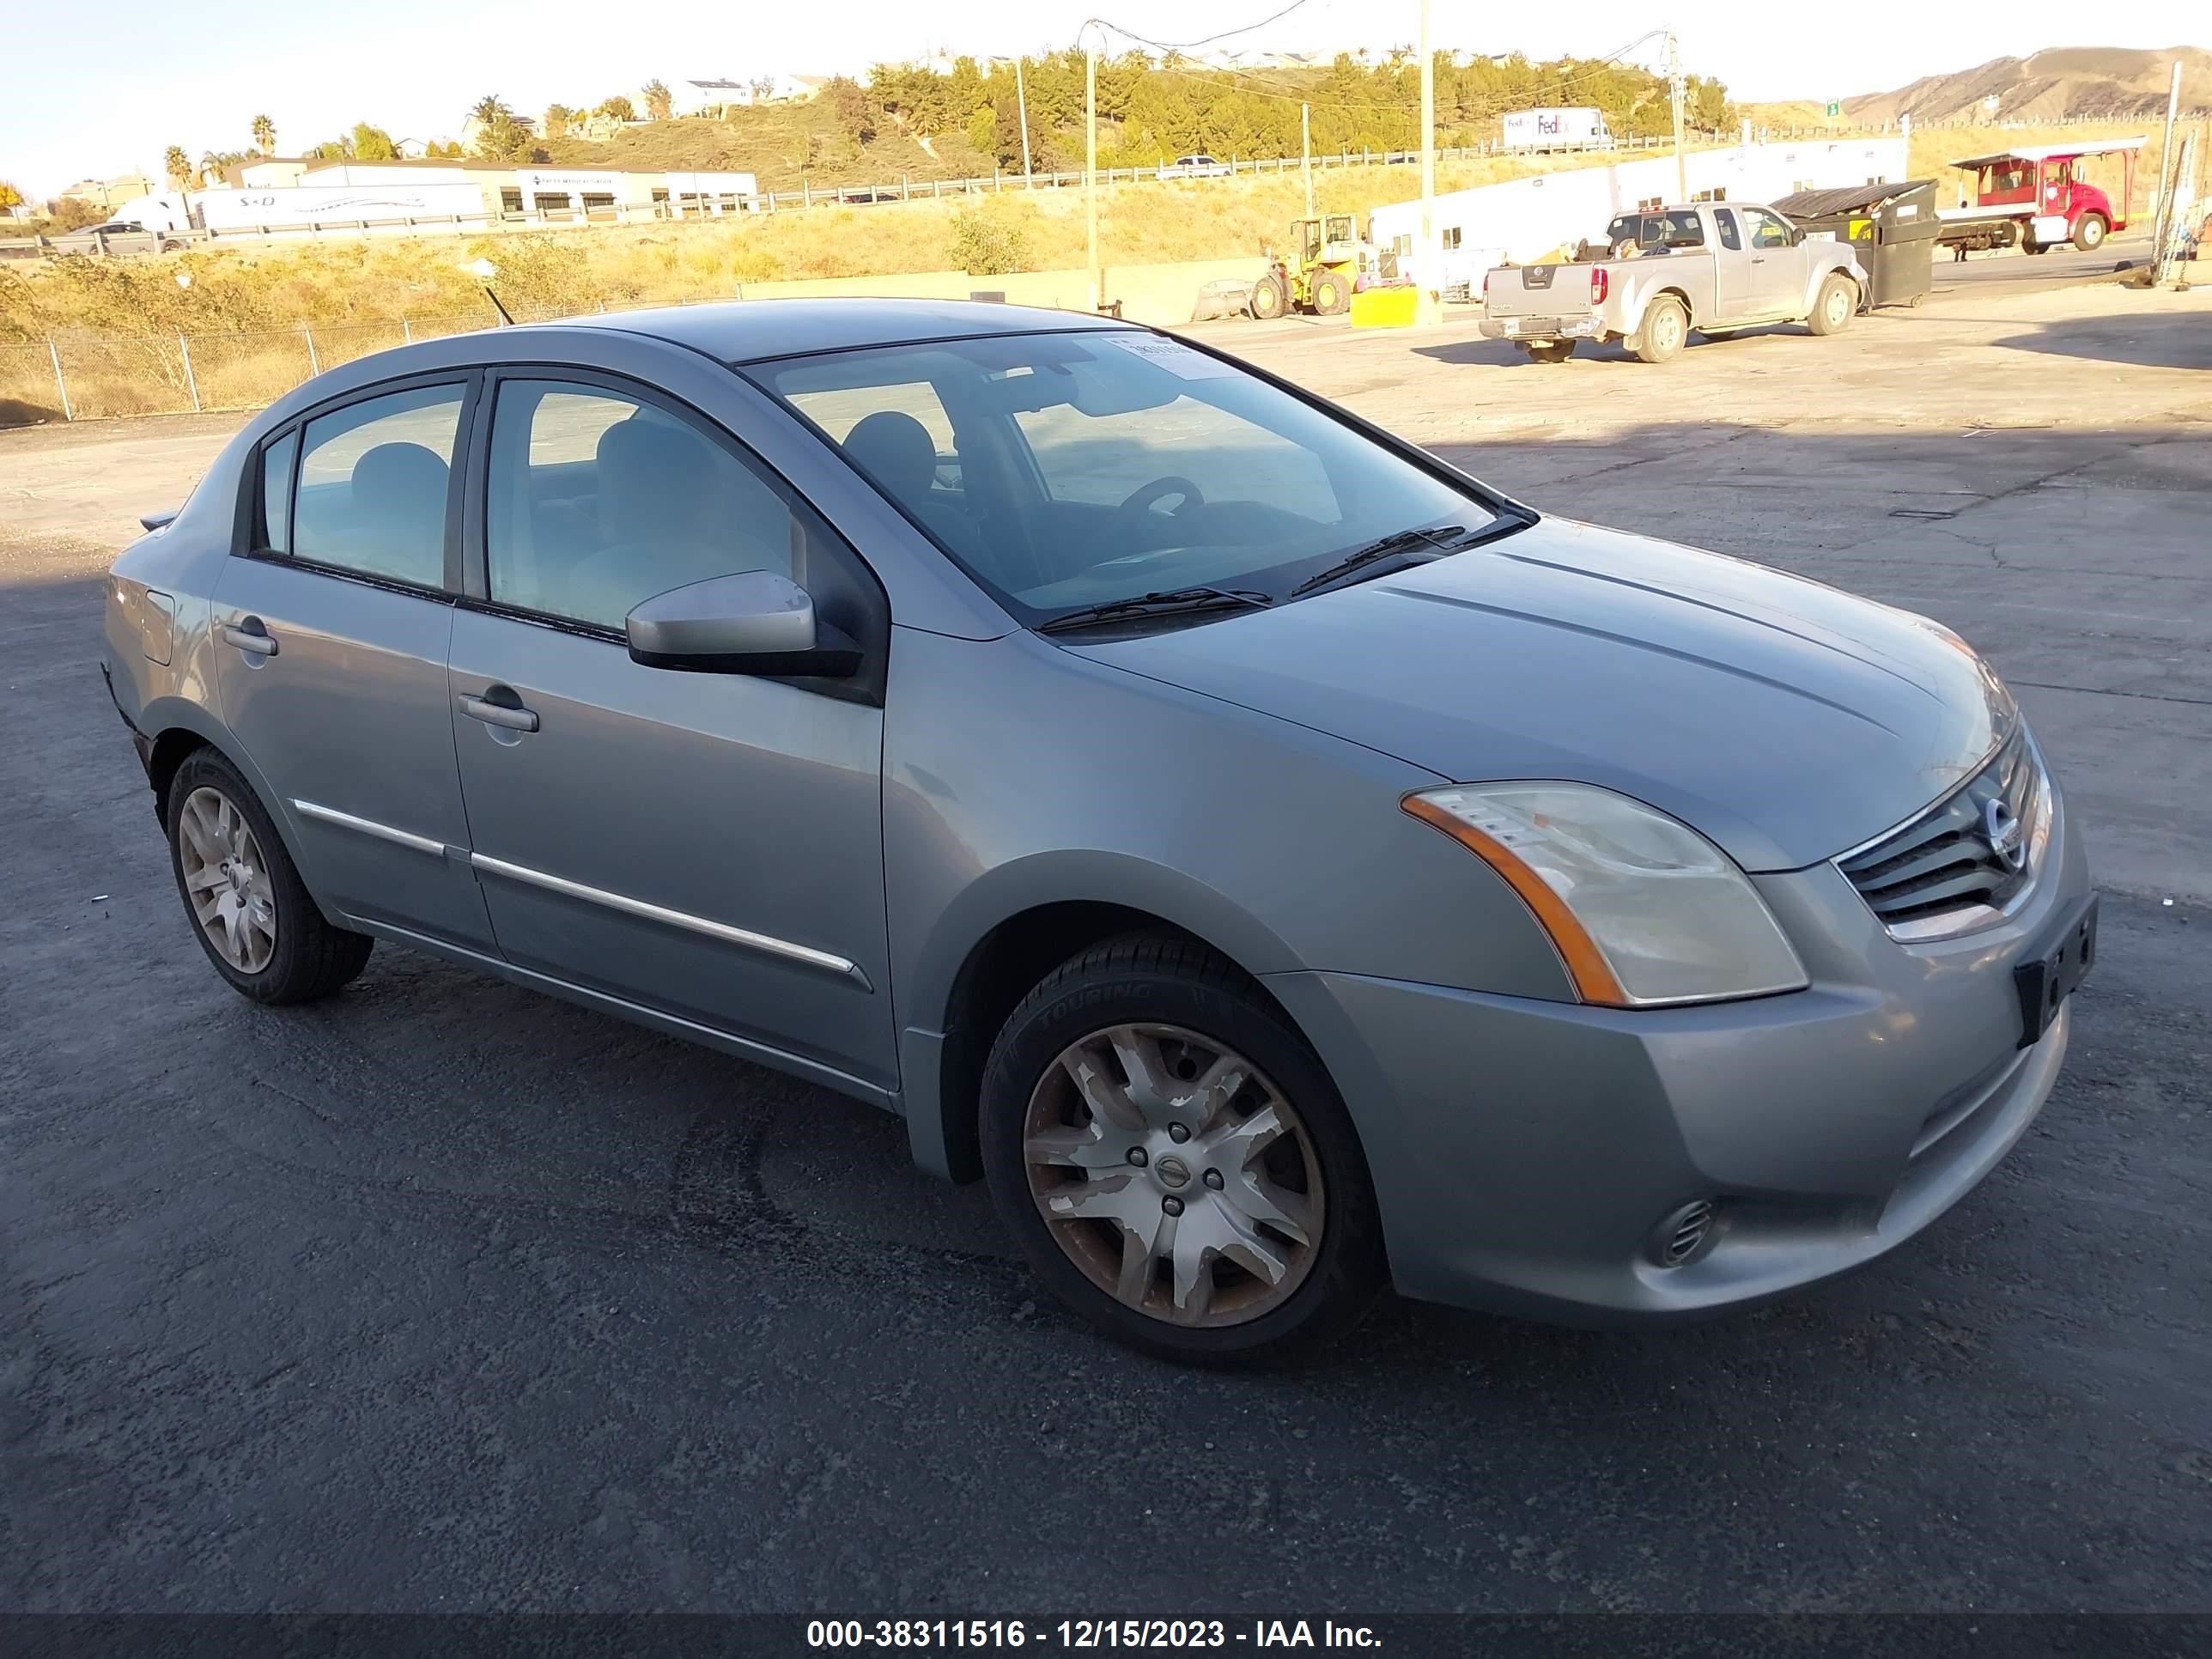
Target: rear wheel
{"type": "Point", "coordinates": [1175, 1161]}
{"type": "Point", "coordinates": [1666, 328]}
{"type": "Point", "coordinates": [250, 911]}
{"type": "Point", "coordinates": [1332, 294]}
{"type": "Point", "coordinates": [2089, 232]}
{"type": "Point", "coordinates": [1269, 297]}
{"type": "Point", "coordinates": [1834, 306]}
{"type": "Point", "coordinates": [1549, 351]}
{"type": "Point", "coordinates": [2029, 244]}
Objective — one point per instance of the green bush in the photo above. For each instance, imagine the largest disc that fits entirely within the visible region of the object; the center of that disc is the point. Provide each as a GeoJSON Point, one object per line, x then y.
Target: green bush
{"type": "Point", "coordinates": [986, 240]}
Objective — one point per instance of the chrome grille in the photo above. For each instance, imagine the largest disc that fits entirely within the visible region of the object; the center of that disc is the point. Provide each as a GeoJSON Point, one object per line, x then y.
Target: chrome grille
{"type": "Point", "coordinates": [1941, 873]}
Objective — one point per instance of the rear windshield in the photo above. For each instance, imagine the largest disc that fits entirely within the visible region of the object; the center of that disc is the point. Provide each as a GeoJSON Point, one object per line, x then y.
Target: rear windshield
{"type": "Point", "coordinates": [1647, 231]}
{"type": "Point", "coordinates": [1064, 470]}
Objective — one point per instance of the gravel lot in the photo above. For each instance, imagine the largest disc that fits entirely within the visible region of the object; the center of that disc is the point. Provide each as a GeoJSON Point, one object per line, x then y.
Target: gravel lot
{"type": "Point", "coordinates": [444, 1297]}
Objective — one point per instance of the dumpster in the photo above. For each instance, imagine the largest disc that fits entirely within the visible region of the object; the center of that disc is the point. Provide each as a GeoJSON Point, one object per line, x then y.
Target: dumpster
{"type": "Point", "coordinates": [1891, 227]}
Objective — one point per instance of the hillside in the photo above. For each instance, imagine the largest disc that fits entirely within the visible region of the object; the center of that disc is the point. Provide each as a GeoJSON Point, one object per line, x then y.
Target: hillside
{"type": "Point", "coordinates": [783, 145]}
{"type": "Point", "coordinates": [2048, 86]}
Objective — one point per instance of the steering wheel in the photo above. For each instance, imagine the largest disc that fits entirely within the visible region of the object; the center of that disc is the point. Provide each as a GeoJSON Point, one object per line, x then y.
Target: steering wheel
{"type": "Point", "coordinates": [1159, 489]}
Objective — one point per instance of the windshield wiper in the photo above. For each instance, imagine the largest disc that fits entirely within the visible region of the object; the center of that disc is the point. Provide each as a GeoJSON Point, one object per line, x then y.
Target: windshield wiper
{"type": "Point", "coordinates": [1167, 604]}
{"type": "Point", "coordinates": [1440, 539]}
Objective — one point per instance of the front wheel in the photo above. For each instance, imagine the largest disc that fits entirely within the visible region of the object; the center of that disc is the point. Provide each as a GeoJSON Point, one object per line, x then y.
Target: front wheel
{"type": "Point", "coordinates": [2089, 233]}
{"type": "Point", "coordinates": [1666, 329]}
{"type": "Point", "coordinates": [1834, 306]}
{"type": "Point", "coordinates": [1270, 299]}
{"type": "Point", "coordinates": [1174, 1159]}
{"type": "Point", "coordinates": [252, 913]}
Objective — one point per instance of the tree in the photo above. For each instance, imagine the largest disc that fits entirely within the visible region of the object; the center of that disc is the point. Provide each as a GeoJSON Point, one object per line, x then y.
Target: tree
{"type": "Point", "coordinates": [490, 110]}
{"type": "Point", "coordinates": [619, 108]}
{"type": "Point", "coordinates": [659, 102]}
{"type": "Point", "coordinates": [855, 114]}
{"type": "Point", "coordinates": [557, 120]}
{"type": "Point", "coordinates": [369, 143]}
{"type": "Point", "coordinates": [264, 135]}
{"type": "Point", "coordinates": [10, 197]}
{"type": "Point", "coordinates": [178, 166]}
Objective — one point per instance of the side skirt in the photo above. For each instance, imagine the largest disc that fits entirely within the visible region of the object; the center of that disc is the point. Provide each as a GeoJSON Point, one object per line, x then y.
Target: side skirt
{"type": "Point", "coordinates": [760, 1053]}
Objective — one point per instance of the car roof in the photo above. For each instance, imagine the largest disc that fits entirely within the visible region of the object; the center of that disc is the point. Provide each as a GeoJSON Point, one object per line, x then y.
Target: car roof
{"type": "Point", "coordinates": [749, 330]}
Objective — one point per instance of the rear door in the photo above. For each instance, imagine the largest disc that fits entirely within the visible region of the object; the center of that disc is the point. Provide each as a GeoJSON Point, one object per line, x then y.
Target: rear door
{"type": "Point", "coordinates": [706, 846]}
{"type": "Point", "coordinates": [331, 634]}
{"type": "Point", "coordinates": [1732, 295]}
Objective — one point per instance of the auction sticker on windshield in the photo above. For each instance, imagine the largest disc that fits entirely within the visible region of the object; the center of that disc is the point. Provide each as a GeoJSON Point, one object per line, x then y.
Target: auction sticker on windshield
{"type": "Point", "coordinates": [1174, 356]}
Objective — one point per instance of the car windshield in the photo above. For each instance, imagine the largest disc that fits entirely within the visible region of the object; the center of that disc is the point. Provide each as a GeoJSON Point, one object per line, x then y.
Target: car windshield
{"type": "Point", "coordinates": [1066, 471]}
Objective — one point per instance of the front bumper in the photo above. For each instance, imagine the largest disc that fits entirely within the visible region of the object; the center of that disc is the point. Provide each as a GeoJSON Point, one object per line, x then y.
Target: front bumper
{"type": "Point", "coordinates": [1527, 1155]}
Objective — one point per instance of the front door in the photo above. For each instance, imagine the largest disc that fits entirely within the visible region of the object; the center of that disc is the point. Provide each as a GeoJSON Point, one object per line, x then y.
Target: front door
{"type": "Point", "coordinates": [1777, 265]}
{"type": "Point", "coordinates": [709, 846]}
{"type": "Point", "coordinates": [331, 642]}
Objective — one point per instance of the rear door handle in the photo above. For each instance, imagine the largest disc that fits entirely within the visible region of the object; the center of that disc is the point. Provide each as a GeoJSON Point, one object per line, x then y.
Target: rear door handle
{"type": "Point", "coordinates": [514, 718]}
{"type": "Point", "coordinates": [250, 636]}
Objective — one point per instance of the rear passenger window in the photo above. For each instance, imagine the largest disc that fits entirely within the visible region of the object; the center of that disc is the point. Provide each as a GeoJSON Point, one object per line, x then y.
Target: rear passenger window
{"type": "Point", "coordinates": [374, 479]}
{"type": "Point", "coordinates": [1726, 221]}
{"type": "Point", "coordinates": [599, 501]}
{"type": "Point", "coordinates": [274, 531]}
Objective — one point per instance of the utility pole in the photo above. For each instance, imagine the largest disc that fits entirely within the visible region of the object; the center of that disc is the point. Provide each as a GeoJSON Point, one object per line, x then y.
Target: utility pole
{"type": "Point", "coordinates": [1305, 152]}
{"type": "Point", "coordinates": [1675, 84]}
{"type": "Point", "coordinates": [1090, 170]}
{"type": "Point", "coordinates": [1431, 280]}
{"type": "Point", "coordinates": [2169, 175]}
{"type": "Point", "coordinates": [1022, 106]}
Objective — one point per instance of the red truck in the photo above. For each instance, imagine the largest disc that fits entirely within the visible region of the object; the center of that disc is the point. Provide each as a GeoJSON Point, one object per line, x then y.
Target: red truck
{"type": "Point", "coordinates": [2038, 198]}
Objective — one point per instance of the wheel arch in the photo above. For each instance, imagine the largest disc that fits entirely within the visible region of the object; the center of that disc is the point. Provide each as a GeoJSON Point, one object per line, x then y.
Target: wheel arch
{"type": "Point", "coordinates": [1671, 291]}
{"type": "Point", "coordinates": [995, 944]}
{"type": "Point", "coordinates": [177, 728]}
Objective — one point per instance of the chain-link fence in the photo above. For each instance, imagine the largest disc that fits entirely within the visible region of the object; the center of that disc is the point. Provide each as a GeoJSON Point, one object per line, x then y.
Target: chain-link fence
{"type": "Point", "coordinates": [83, 376]}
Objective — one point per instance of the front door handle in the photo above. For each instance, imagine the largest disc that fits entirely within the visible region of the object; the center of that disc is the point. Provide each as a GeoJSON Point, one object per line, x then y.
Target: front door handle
{"type": "Point", "coordinates": [513, 717]}
{"type": "Point", "coordinates": [251, 637]}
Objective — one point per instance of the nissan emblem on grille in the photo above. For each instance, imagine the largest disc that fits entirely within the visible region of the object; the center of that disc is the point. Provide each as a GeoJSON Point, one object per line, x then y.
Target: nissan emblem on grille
{"type": "Point", "coordinates": [2003, 829]}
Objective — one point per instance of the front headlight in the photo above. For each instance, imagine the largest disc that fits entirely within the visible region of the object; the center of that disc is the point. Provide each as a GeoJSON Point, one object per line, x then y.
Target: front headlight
{"type": "Point", "coordinates": [1642, 909]}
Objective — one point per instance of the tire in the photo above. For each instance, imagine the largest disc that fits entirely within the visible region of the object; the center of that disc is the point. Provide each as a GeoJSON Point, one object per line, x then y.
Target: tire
{"type": "Point", "coordinates": [1663, 332]}
{"type": "Point", "coordinates": [276, 946]}
{"type": "Point", "coordinates": [1332, 294]}
{"type": "Point", "coordinates": [1834, 306]}
{"type": "Point", "coordinates": [1270, 299]}
{"type": "Point", "coordinates": [2029, 244]}
{"type": "Point", "coordinates": [1550, 351]}
{"type": "Point", "coordinates": [2090, 231]}
{"type": "Point", "coordinates": [1183, 1014]}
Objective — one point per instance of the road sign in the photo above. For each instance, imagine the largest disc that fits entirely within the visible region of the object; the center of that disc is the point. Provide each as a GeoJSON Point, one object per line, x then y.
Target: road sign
{"type": "Point", "coordinates": [1835, 108]}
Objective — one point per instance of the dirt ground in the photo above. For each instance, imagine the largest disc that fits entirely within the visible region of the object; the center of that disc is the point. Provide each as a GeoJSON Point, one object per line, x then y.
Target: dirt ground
{"type": "Point", "coordinates": [442, 1296]}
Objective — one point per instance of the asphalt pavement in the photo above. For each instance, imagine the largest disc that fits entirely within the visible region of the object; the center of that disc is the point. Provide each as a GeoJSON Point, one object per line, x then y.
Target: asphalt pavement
{"type": "Point", "coordinates": [444, 1297]}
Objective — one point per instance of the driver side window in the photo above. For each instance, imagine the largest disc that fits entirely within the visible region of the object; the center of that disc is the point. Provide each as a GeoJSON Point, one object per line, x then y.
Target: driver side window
{"type": "Point", "coordinates": [599, 501]}
{"type": "Point", "coordinates": [1766, 230]}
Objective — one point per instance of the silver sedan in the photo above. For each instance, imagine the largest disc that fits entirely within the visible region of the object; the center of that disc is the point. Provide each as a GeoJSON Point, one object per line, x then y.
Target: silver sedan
{"type": "Point", "coordinates": [1280, 865]}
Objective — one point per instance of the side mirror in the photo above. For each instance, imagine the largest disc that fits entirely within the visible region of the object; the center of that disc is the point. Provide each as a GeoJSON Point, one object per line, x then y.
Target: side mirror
{"type": "Point", "coordinates": [1796, 235]}
{"type": "Point", "coordinates": [752, 623]}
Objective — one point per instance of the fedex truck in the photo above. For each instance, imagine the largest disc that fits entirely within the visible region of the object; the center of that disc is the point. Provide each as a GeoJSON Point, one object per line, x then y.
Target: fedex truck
{"type": "Point", "coordinates": [1557, 129]}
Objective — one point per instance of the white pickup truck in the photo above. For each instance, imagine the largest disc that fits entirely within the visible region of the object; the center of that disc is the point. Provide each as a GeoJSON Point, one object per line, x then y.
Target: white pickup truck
{"type": "Point", "coordinates": [1713, 267]}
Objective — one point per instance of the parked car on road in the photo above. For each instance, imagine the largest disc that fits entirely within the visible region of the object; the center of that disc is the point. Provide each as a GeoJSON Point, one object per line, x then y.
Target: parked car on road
{"type": "Point", "coordinates": [1277, 862]}
{"type": "Point", "coordinates": [119, 237]}
{"type": "Point", "coordinates": [1662, 272]}
{"type": "Point", "coordinates": [1196, 166]}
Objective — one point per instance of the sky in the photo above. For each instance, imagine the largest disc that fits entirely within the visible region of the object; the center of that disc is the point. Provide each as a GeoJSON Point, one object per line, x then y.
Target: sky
{"type": "Point", "coordinates": [413, 67]}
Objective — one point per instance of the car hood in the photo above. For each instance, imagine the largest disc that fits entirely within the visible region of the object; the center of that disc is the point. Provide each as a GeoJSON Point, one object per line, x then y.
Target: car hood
{"type": "Point", "coordinates": [1786, 721]}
